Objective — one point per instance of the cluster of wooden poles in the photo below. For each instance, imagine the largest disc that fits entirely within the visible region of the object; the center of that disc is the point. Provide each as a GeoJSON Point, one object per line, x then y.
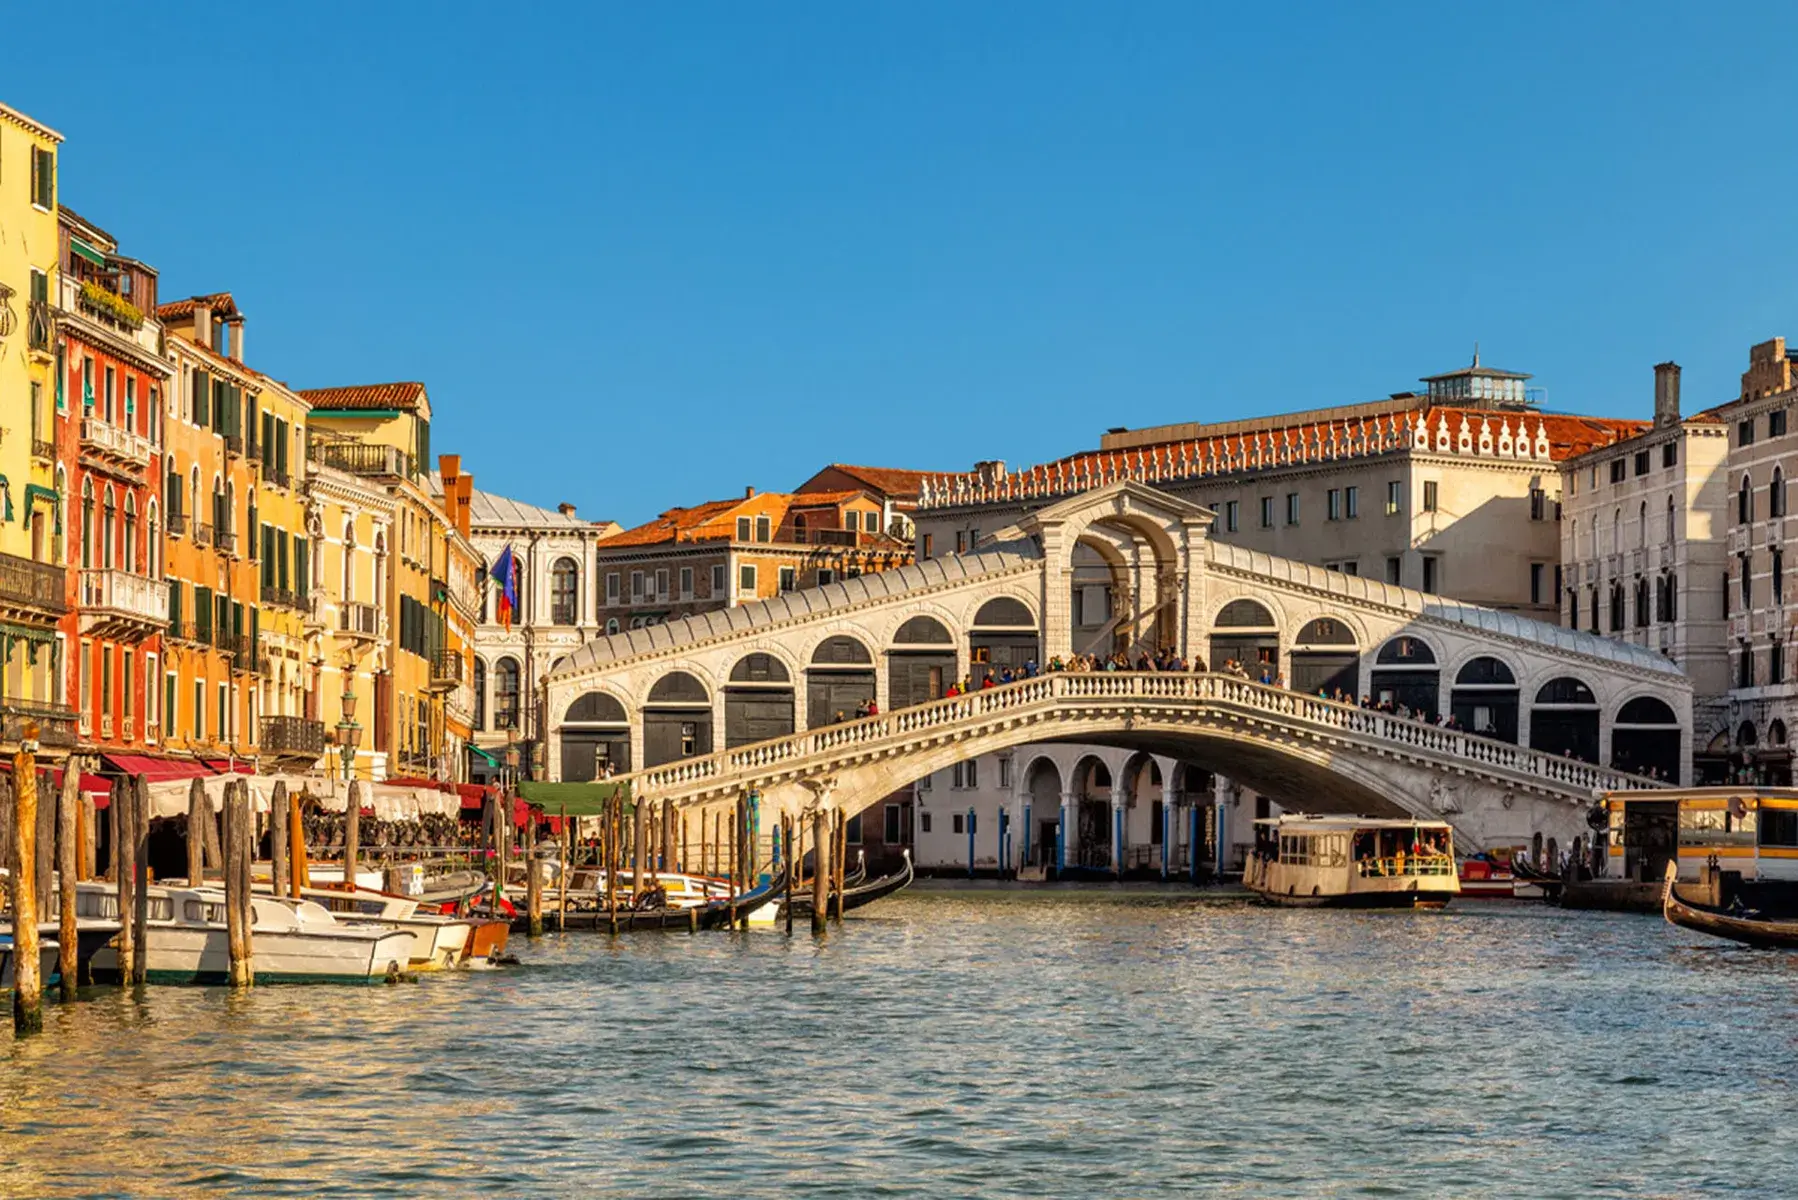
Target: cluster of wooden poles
{"type": "Point", "coordinates": [654, 839]}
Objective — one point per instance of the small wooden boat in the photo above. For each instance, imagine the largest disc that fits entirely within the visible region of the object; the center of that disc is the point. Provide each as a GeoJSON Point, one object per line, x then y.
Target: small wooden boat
{"type": "Point", "coordinates": [1746, 926]}
{"type": "Point", "coordinates": [859, 895]}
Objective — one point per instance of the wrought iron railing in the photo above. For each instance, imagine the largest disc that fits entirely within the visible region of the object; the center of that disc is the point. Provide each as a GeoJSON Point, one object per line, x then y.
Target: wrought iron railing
{"type": "Point", "coordinates": [358, 619]}
{"type": "Point", "coordinates": [202, 534]}
{"type": "Point", "coordinates": [40, 326]}
{"type": "Point", "coordinates": [292, 735]}
{"type": "Point", "coordinates": [362, 458]}
{"type": "Point", "coordinates": [31, 584]}
{"type": "Point", "coordinates": [174, 523]}
{"type": "Point", "coordinates": [56, 723]}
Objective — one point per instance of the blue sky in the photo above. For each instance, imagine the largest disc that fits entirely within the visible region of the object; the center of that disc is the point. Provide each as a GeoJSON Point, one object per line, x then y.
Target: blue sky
{"type": "Point", "coordinates": [647, 255]}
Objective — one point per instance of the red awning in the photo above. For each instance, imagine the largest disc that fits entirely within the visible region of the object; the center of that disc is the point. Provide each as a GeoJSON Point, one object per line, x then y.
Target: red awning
{"type": "Point", "coordinates": [473, 794]}
{"type": "Point", "coordinates": [157, 769]}
{"type": "Point", "coordinates": [97, 786]}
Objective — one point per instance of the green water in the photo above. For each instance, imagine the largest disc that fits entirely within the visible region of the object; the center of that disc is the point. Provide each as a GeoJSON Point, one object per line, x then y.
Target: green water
{"type": "Point", "coordinates": [957, 1044]}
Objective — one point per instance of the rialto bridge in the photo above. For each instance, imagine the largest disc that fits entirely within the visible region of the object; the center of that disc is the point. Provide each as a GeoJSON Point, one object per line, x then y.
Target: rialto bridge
{"type": "Point", "coordinates": [763, 697]}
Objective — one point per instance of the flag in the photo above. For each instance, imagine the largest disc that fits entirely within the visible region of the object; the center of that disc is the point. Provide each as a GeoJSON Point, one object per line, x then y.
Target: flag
{"type": "Point", "coordinates": [505, 577]}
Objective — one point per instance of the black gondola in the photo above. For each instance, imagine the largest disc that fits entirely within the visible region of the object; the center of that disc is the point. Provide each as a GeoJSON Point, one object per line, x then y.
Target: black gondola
{"type": "Point", "coordinates": [856, 897]}
{"type": "Point", "coordinates": [714, 914]}
{"type": "Point", "coordinates": [1744, 927]}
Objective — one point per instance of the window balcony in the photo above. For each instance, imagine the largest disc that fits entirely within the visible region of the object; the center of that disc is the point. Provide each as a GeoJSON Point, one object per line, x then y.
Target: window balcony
{"type": "Point", "coordinates": [45, 450]}
{"type": "Point", "coordinates": [122, 604]}
{"type": "Point", "coordinates": [234, 444]}
{"type": "Point", "coordinates": [294, 737]}
{"type": "Point", "coordinates": [275, 476]}
{"type": "Point", "coordinates": [358, 621]}
{"type": "Point", "coordinates": [109, 442]}
{"type": "Point", "coordinates": [40, 326]}
{"type": "Point", "coordinates": [226, 540]}
{"type": "Point", "coordinates": [31, 591]}
{"type": "Point", "coordinates": [447, 669]}
{"type": "Point", "coordinates": [202, 534]}
{"type": "Point", "coordinates": [174, 523]}
{"type": "Point", "coordinates": [279, 597]}
{"type": "Point", "coordinates": [56, 724]}
{"type": "Point", "coordinates": [362, 458]}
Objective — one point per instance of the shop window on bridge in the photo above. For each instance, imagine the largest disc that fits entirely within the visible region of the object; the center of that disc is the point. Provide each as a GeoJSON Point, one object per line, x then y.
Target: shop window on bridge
{"type": "Point", "coordinates": [921, 663]}
{"type": "Point", "coordinates": [1564, 720]}
{"type": "Point", "coordinates": [677, 720]}
{"type": "Point", "coordinates": [1324, 659]}
{"type": "Point", "coordinates": [1406, 679]}
{"type": "Point", "coordinates": [1484, 700]}
{"type": "Point", "coordinates": [1004, 636]}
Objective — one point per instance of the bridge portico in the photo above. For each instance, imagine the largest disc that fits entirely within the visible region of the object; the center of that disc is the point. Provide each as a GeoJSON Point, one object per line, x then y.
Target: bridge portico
{"type": "Point", "coordinates": [1544, 698]}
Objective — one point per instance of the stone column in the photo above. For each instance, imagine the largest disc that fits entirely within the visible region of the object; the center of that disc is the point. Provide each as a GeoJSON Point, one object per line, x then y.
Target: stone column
{"type": "Point", "coordinates": [1221, 789]}
{"type": "Point", "coordinates": [1173, 805]}
{"type": "Point", "coordinates": [1119, 797]}
{"type": "Point", "coordinates": [1064, 830]}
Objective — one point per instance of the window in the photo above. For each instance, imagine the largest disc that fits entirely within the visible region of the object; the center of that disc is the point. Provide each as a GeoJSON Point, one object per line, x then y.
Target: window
{"type": "Point", "coordinates": [1776, 656]}
{"type": "Point", "coordinates": [1669, 537]}
{"type": "Point", "coordinates": [1572, 609]}
{"type": "Point", "coordinates": [505, 694]}
{"type": "Point", "coordinates": [1394, 497]}
{"type": "Point", "coordinates": [826, 575]}
{"type": "Point", "coordinates": [661, 583]}
{"type": "Point", "coordinates": [746, 580]}
{"type": "Point", "coordinates": [1641, 462]}
{"type": "Point", "coordinates": [1430, 572]}
{"type": "Point", "coordinates": [1351, 567]}
{"type": "Point", "coordinates": [199, 710]}
{"type": "Point", "coordinates": [1005, 770]}
{"type": "Point", "coordinates": [1429, 495]}
{"type": "Point", "coordinates": [891, 831]}
{"type": "Point", "coordinates": [1394, 570]}
{"type": "Point", "coordinates": [1776, 423]}
{"type": "Point", "coordinates": [742, 529]}
{"type": "Point", "coordinates": [956, 820]}
{"type": "Point", "coordinates": [717, 580]}
{"type": "Point", "coordinates": [961, 541]}
{"type": "Point", "coordinates": [1745, 502]}
{"type": "Point", "coordinates": [480, 694]}
{"type": "Point", "coordinates": [686, 583]}
{"type": "Point", "coordinates": [929, 545]}
{"type": "Point", "coordinates": [1670, 454]}
{"type": "Point", "coordinates": [636, 587]}
{"type": "Point", "coordinates": [1538, 503]}
{"type": "Point", "coordinates": [1745, 432]}
{"type": "Point", "coordinates": [1536, 583]}
{"type": "Point", "coordinates": [1778, 573]}
{"type": "Point", "coordinates": [1744, 666]}
{"type": "Point", "coordinates": [763, 532]}
{"type": "Point", "coordinates": [1267, 512]}
{"type": "Point", "coordinates": [870, 523]}
{"type": "Point", "coordinates": [224, 725]}
{"type": "Point", "coordinates": [1230, 513]}
{"type": "Point", "coordinates": [1747, 561]}
{"type": "Point", "coordinates": [787, 579]}
{"type": "Point", "coordinates": [924, 818]}
{"type": "Point", "coordinates": [564, 583]}
{"type": "Point", "coordinates": [1776, 494]}
{"type": "Point", "coordinates": [43, 178]}
{"type": "Point", "coordinates": [611, 589]}
{"type": "Point", "coordinates": [1618, 470]}
{"type": "Point", "coordinates": [1292, 508]}
{"type": "Point", "coordinates": [1351, 502]}
{"type": "Point", "coordinates": [1333, 505]}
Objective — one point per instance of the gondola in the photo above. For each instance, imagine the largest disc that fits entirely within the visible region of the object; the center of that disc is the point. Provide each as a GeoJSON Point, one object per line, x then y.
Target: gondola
{"type": "Point", "coordinates": [1759, 932]}
{"type": "Point", "coordinates": [856, 897]}
{"type": "Point", "coordinates": [714, 914]}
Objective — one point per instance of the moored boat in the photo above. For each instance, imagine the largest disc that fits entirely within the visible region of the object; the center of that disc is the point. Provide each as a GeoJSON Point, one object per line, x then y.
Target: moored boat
{"type": "Point", "coordinates": [856, 895]}
{"type": "Point", "coordinates": [438, 941]}
{"type": "Point", "coordinates": [1745, 925]}
{"type": "Point", "coordinates": [49, 955]}
{"type": "Point", "coordinates": [1352, 862]}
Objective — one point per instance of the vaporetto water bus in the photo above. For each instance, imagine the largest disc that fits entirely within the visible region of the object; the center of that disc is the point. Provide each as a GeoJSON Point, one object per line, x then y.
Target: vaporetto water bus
{"type": "Point", "coordinates": [1352, 862]}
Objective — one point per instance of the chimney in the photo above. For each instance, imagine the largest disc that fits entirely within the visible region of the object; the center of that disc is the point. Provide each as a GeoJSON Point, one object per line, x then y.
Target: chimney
{"type": "Point", "coordinates": [748, 493]}
{"type": "Point", "coordinates": [234, 332]}
{"type": "Point", "coordinates": [565, 508]}
{"type": "Point", "coordinates": [1666, 394]}
{"type": "Point", "coordinates": [203, 323]}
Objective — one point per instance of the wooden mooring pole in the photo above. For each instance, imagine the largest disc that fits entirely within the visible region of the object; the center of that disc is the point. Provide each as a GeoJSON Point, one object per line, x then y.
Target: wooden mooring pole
{"type": "Point", "coordinates": [28, 986]}
{"type": "Point", "coordinates": [198, 811]}
{"type": "Point", "coordinates": [820, 868]}
{"type": "Point", "coordinates": [68, 869]}
{"type": "Point", "coordinates": [609, 850]}
{"type": "Point", "coordinates": [533, 878]}
{"type": "Point", "coordinates": [352, 833]}
{"type": "Point", "coordinates": [732, 860]}
{"type": "Point", "coordinates": [568, 838]}
{"type": "Point", "coordinates": [238, 908]}
{"type": "Point", "coordinates": [839, 860]}
{"type": "Point", "coordinates": [277, 839]}
{"type": "Point", "coordinates": [790, 844]}
{"type": "Point", "coordinates": [140, 875]}
{"type": "Point", "coordinates": [639, 820]}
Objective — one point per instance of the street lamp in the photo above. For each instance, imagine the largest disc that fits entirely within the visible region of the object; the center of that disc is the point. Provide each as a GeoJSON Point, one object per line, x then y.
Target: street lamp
{"type": "Point", "coordinates": [512, 757]}
{"type": "Point", "coordinates": [349, 733]}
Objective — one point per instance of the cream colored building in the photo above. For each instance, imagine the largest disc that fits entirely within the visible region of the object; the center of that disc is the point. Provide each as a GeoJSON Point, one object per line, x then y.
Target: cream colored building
{"type": "Point", "coordinates": [1642, 549]}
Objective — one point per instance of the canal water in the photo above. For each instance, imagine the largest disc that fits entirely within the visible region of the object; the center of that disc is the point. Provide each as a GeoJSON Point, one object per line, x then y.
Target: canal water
{"type": "Point", "coordinates": [957, 1044]}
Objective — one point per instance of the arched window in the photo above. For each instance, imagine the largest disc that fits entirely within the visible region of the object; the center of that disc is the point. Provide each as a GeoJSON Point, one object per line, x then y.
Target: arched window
{"type": "Point", "coordinates": [109, 529]}
{"type": "Point", "coordinates": [349, 562]}
{"type": "Point", "coordinates": [1244, 614]}
{"type": "Point", "coordinates": [564, 586]}
{"type": "Point", "coordinates": [1669, 537]}
{"type": "Point", "coordinates": [1646, 710]}
{"type": "Point", "coordinates": [1616, 607]}
{"type": "Point", "coordinates": [505, 694]}
{"type": "Point", "coordinates": [1004, 612]}
{"type": "Point", "coordinates": [87, 523]}
{"type": "Point", "coordinates": [130, 556]}
{"type": "Point", "coordinates": [480, 694]}
{"type": "Point", "coordinates": [1326, 631]}
{"type": "Point", "coordinates": [922, 630]}
{"type": "Point", "coordinates": [611, 625]}
{"type": "Point", "coordinates": [1745, 501]}
{"type": "Point", "coordinates": [153, 544]}
{"type": "Point", "coordinates": [171, 489]}
{"type": "Point", "coordinates": [380, 586]}
{"type": "Point", "coordinates": [1566, 690]}
{"type": "Point", "coordinates": [1642, 528]}
{"type": "Point", "coordinates": [1776, 494]}
{"type": "Point", "coordinates": [1405, 651]}
{"type": "Point", "coordinates": [1617, 532]}
{"type": "Point", "coordinates": [228, 514]}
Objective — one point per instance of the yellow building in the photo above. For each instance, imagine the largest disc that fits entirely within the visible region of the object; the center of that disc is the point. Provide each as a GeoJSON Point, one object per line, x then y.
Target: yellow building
{"type": "Point", "coordinates": [349, 523]}
{"type": "Point", "coordinates": [34, 588]}
{"type": "Point", "coordinates": [210, 519]}
{"type": "Point", "coordinates": [381, 434]}
{"type": "Point", "coordinates": [289, 729]}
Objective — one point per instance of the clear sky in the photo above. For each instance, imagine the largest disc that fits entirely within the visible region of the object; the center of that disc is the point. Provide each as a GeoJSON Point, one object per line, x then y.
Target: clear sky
{"type": "Point", "coordinates": [645, 255]}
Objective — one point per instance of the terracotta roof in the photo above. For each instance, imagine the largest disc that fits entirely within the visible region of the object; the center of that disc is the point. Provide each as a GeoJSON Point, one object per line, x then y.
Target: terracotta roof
{"type": "Point", "coordinates": [711, 521]}
{"type": "Point", "coordinates": [404, 396]}
{"type": "Point", "coordinates": [815, 499]}
{"type": "Point", "coordinates": [221, 303]}
{"type": "Point", "coordinates": [888, 481]}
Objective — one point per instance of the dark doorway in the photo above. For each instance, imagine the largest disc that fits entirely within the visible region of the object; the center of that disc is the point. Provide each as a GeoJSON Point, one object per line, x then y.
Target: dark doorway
{"type": "Point", "coordinates": [1484, 699]}
{"type": "Point", "coordinates": [1004, 635]}
{"type": "Point", "coordinates": [1650, 838]}
{"type": "Point", "coordinates": [839, 680]}
{"type": "Point", "coordinates": [1564, 720]}
{"type": "Point", "coordinates": [595, 732]}
{"type": "Point", "coordinates": [677, 720]}
{"type": "Point", "coordinates": [1645, 740]}
{"type": "Point", "coordinates": [917, 678]}
{"type": "Point", "coordinates": [758, 701]}
{"type": "Point", "coordinates": [1405, 674]}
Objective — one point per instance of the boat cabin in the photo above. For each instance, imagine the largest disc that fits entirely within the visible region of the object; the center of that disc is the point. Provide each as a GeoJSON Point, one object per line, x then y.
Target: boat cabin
{"type": "Point", "coordinates": [1352, 861]}
{"type": "Point", "coordinates": [1753, 831]}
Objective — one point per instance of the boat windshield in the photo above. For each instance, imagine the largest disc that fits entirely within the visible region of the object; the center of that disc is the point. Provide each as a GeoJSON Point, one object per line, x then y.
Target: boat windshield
{"type": "Point", "coordinates": [1403, 852]}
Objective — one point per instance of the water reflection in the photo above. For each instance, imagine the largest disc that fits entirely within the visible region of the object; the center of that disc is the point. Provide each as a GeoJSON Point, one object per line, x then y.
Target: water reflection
{"type": "Point", "coordinates": [981, 1044]}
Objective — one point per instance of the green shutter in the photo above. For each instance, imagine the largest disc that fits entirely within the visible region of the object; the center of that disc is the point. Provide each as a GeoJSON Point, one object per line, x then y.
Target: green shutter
{"type": "Point", "coordinates": [281, 573]}
{"type": "Point", "coordinates": [302, 580]}
{"type": "Point", "coordinates": [202, 400]}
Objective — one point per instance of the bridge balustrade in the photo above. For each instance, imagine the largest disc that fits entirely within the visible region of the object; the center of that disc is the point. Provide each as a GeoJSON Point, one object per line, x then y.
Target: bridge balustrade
{"type": "Point", "coordinates": [895, 729]}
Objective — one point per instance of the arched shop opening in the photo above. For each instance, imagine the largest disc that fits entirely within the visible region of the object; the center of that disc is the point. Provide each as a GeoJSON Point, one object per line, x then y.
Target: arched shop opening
{"type": "Point", "coordinates": [1405, 675]}
{"type": "Point", "coordinates": [1485, 699]}
{"type": "Point", "coordinates": [920, 664]}
{"type": "Point", "coordinates": [1324, 659]}
{"type": "Point", "coordinates": [595, 733]}
{"type": "Point", "coordinates": [1091, 845]}
{"type": "Point", "coordinates": [1042, 786]}
{"type": "Point", "coordinates": [1004, 635]}
{"type": "Point", "coordinates": [1645, 739]}
{"type": "Point", "coordinates": [1245, 632]}
{"type": "Point", "coordinates": [1564, 720]}
{"type": "Point", "coordinates": [758, 701]}
{"type": "Point", "coordinates": [677, 721]}
{"type": "Point", "coordinates": [839, 679]}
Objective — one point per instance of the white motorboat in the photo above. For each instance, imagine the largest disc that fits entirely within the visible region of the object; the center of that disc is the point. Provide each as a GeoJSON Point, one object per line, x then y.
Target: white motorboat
{"type": "Point", "coordinates": [49, 955]}
{"type": "Point", "coordinates": [438, 942]}
{"type": "Point", "coordinates": [1352, 862]}
{"type": "Point", "coordinates": [292, 942]}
